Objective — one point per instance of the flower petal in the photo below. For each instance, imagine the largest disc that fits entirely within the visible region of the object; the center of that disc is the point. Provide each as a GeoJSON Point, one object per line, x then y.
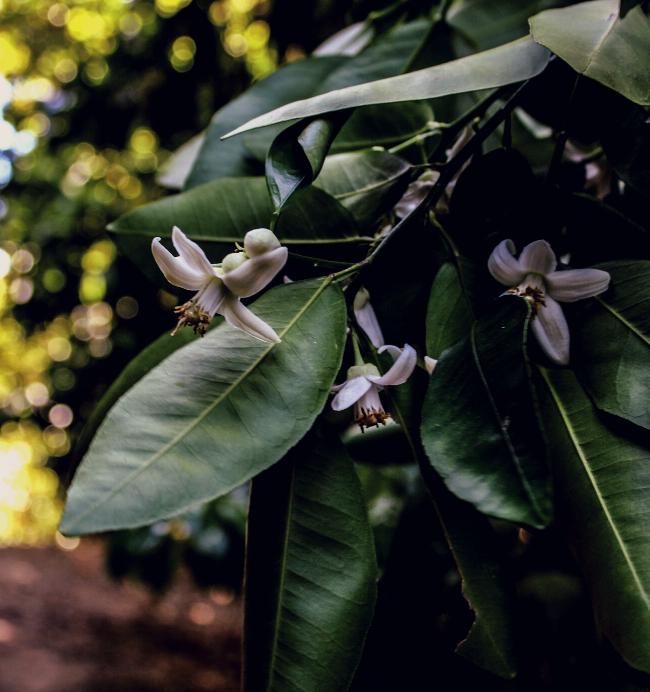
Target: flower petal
{"type": "Point", "coordinates": [211, 296]}
{"type": "Point", "coordinates": [350, 393]}
{"type": "Point", "coordinates": [401, 370]}
{"type": "Point", "coordinates": [175, 269]}
{"type": "Point", "coordinates": [576, 284]}
{"type": "Point", "coordinates": [191, 253]}
{"type": "Point", "coordinates": [552, 331]}
{"type": "Point", "coordinates": [239, 316]}
{"type": "Point", "coordinates": [255, 273]}
{"type": "Point", "coordinates": [394, 351]}
{"type": "Point", "coordinates": [538, 258]}
{"type": "Point", "coordinates": [430, 364]}
{"type": "Point", "coordinates": [367, 318]}
{"type": "Point", "coordinates": [504, 266]}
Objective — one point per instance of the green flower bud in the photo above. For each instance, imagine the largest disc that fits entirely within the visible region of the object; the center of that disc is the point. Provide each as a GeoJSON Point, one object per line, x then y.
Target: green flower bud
{"type": "Point", "coordinates": [233, 261]}
{"type": "Point", "coordinates": [260, 240]}
{"type": "Point", "coordinates": [362, 370]}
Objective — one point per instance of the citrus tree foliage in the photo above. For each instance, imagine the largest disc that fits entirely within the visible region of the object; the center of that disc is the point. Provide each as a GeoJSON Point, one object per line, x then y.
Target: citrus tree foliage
{"type": "Point", "coordinates": [462, 190]}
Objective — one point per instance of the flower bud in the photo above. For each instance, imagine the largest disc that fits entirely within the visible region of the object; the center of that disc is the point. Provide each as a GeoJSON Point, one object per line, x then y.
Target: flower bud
{"type": "Point", "coordinates": [362, 370]}
{"type": "Point", "coordinates": [260, 240]}
{"type": "Point", "coordinates": [232, 261]}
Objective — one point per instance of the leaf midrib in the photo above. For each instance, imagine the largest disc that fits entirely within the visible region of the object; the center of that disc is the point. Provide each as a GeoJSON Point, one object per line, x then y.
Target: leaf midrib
{"type": "Point", "coordinates": [504, 433]}
{"type": "Point", "coordinates": [585, 464]}
{"type": "Point", "coordinates": [208, 409]}
{"type": "Point", "coordinates": [612, 310]}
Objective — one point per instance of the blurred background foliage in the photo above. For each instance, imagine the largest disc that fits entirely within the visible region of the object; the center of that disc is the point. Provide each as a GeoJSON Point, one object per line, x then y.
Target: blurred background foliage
{"type": "Point", "coordinates": [94, 95]}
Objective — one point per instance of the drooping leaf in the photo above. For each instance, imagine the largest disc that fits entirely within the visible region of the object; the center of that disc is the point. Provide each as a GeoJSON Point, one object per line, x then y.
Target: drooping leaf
{"type": "Point", "coordinates": [366, 183]}
{"type": "Point", "coordinates": [219, 159]}
{"type": "Point", "coordinates": [490, 642]}
{"type": "Point", "coordinates": [218, 214]}
{"type": "Point", "coordinates": [297, 155]}
{"type": "Point", "coordinates": [310, 572]}
{"type": "Point", "coordinates": [479, 428]}
{"type": "Point", "coordinates": [212, 415]}
{"type": "Point", "coordinates": [593, 39]}
{"type": "Point", "coordinates": [512, 62]}
{"type": "Point", "coordinates": [602, 483]}
{"type": "Point", "coordinates": [611, 343]}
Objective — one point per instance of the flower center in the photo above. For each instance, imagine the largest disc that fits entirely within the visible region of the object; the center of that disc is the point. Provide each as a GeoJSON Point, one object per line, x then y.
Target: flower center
{"type": "Point", "coordinates": [191, 315]}
{"type": "Point", "coordinates": [366, 418]}
{"type": "Point", "coordinates": [532, 290]}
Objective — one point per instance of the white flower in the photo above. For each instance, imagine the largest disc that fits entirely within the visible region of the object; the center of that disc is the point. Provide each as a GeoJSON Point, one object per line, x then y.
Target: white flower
{"type": "Point", "coordinates": [364, 383]}
{"type": "Point", "coordinates": [367, 318]}
{"type": "Point", "coordinates": [219, 289]}
{"type": "Point", "coordinates": [533, 276]}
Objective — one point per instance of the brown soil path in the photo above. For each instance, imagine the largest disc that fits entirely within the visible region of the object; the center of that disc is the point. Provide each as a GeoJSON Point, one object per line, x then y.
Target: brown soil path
{"type": "Point", "coordinates": [66, 627]}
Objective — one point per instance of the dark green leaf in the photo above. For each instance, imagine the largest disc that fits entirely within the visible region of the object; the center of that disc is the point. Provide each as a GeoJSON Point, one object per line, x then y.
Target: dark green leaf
{"type": "Point", "coordinates": [366, 183]}
{"type": "Point", "coordinates": [297, 155]}
{"type": "Point", "coordinates": [512, 62]}
{"type": "Point", "coordinates": [612, 343]}
{"type": "Point", "coordinates": [310, 572]}
{"type": "Point", "coordinates": [593, 39]}
{"type": "Point", "coordinates": [211, 415]}
{"type": "Point", "coordinates": [603, 483]}
{"type": "Point", "coordinates": [479, 427]}
{"type": "Point", "coordinates": [218, 214]}
{"type": "Point", "coordinates": [219, 159]}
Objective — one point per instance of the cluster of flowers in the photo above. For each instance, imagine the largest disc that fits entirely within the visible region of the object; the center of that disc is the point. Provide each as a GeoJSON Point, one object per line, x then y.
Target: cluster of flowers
{"type": "Point", "coordinates": [244, 273]}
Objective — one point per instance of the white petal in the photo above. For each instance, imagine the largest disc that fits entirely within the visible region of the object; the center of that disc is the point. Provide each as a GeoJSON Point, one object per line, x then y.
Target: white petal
{"type": "Point", "coordinates": [191, 253]}
{"type": "Point", "coordinates": [367, 318]}
{"type": "Point", "coordinates": [503, 265]}
{"type": "Point", "coordinates": [552, 331]}
{"type": "Point", "coordinates": [237, 315]}
{"type": "Point", "coordinates": [175, 269]}
{"type": "Point", "coordinates": [211, 296]}
{"type": "Point", "coordinates": [350, 393]}
{"type": "Point", "coordinates": [576, 284]}
{"type": "Point", "coordinates": [395, 351]}
{"type": "Point", "coordinates": [401, 370]}
{"type": "Point", "coordinates": [255, 273]}
{"type": "Point", "coordinates": [430, 364]}
{"type": "Point", "coordinates": [538, 258]}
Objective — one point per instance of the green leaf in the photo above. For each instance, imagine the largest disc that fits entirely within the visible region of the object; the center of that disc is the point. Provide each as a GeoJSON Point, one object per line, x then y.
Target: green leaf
{"type": "Point", "coordinates": [488, 23]}
{"type": "Point", "coordinates": [366, 183]}
{"type": "Point", "coordinates": [490, 642]}
{"type": "Point", "coordinates": [388, 55]}
{"type": "Point", "coordinates": [297, 156]}
{"type": "Point", "coordinates": [219, 159]}
{"type": "Point", "coordinates": [310, 572]}
{"type": "Point", "coordinates": [611, 342]}
{"type": "Point", "coordinates": [603, 483]}
{"type": "Point", "coordinates": [212, 415]}
{"type": "Point", "coordinates": [479, 428]}
{"type": "Point", "coordinates": [218, 214]}
{"type": "Point", "coordinates": [512, 62]}
{"type": "Point", "coordinates": [593, 39]}
{"type": "Point", "coordinates": [449, 313]}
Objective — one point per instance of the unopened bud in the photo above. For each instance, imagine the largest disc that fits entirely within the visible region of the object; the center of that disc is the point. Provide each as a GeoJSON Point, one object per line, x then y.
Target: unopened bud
{"type": "Point", "coordinates": [232, 261]}
{"type": "Point", "coordinates": [260, 240]}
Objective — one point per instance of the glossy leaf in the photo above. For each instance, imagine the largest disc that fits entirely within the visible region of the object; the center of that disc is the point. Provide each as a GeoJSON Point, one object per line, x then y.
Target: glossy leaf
{"type": "Point", "coordinates": [310, 572]}
{"type": "Point", "coordinates": [218, 214]}
{"type": "Point", "coordinates": [512, 62]}
{"type": "Point", "coordinates": [603, 483]}
{"type": "Point", "coordinates": [479, 428]}
{"type": "Point", "coordinates": [297, 156]}
{"type": "Point", "coordinates": [219, 159]}
{"type": "Point", "coordinates": [366, 183]}
{"type": "Point", "coordinates": [212, 415]}
{"type": "Point", "coordinates": [593, 39]}
{"type": "Point", "coordinates": [612, 343]}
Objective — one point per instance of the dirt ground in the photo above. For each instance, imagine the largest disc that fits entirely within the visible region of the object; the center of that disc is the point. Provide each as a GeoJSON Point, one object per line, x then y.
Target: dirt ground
{"type": "Point", "coordinates": [66, 627]}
